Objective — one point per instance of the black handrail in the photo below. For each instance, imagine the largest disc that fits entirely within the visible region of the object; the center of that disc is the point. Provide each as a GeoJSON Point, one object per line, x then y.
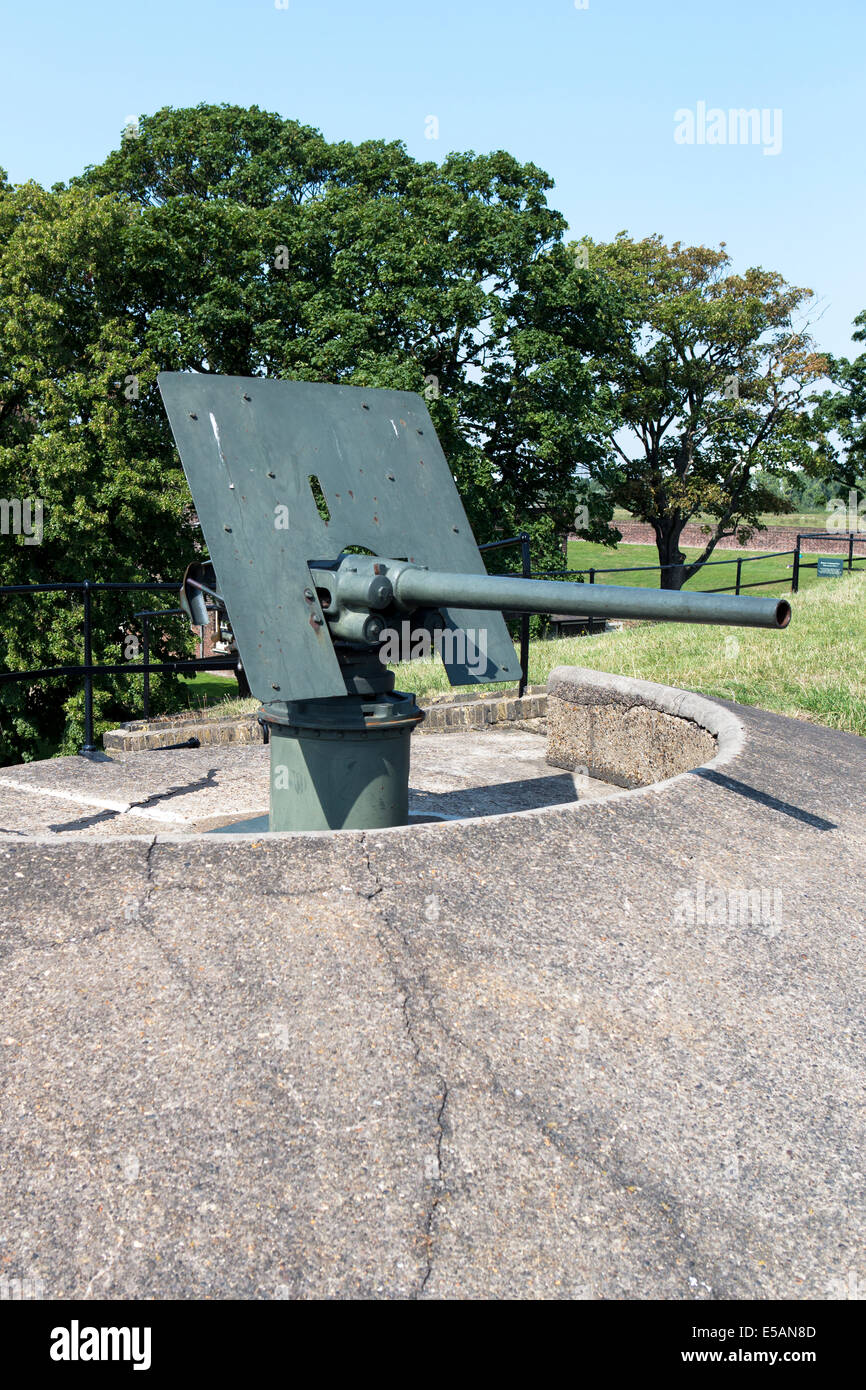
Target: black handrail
{"type": "Point", "coordinates": [87, 669]}
{"type": "Point", "coordinates": [852, 537]}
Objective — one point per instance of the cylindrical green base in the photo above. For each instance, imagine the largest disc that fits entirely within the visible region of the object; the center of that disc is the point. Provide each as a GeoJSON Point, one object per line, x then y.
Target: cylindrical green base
{"type": "Point", "coordinates": [354, 777]}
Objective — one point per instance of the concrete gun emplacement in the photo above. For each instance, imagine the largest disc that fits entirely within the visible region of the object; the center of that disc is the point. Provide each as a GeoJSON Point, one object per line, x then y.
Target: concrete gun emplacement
{"type": "Point", "coordinates": [332, 519]}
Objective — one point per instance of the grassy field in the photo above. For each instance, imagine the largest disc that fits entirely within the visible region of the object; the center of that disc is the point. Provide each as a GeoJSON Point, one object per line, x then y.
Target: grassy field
{"type": "Point", "coordinates": [206, 689]}
{"type": "Point", "coordinates": [814, 670]}
{"type": "Point", "coordinates": [775, 570]}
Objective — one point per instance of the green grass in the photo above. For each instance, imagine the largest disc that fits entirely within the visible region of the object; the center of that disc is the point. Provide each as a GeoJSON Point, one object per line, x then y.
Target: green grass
{"type": "Point", "coordinates": [776, 571]}
{"type": "Point", "coordinates": [231, 707]}
{"type": "Point", "coordinates": [814, 670]}
{"type": "Point", "coordinates": [206, 689]}
{"type": "Point", "coordinates": [798, 521]}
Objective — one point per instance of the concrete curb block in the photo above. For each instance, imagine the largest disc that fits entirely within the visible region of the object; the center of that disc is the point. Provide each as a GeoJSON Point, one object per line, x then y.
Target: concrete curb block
{"type": "Point", "coordinates": [588, 685]}
{"type": "Point", "coordinates": [244, 729]}
{"type": "Point", "coordinates": [633, 733]}
{"type": "Point", "coordinates": [474, 711]}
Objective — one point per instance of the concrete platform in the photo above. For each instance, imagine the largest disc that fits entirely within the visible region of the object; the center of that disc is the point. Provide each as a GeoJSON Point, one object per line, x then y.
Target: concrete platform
{"type": "Point", "coordinates": [607, 1049]}
{"type": "Point", "coordinates": [482, 772]}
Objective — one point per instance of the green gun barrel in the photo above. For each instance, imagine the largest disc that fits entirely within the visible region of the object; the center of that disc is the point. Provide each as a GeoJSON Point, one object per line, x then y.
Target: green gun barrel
{"type": "Point", "coordinates": [412, 587]}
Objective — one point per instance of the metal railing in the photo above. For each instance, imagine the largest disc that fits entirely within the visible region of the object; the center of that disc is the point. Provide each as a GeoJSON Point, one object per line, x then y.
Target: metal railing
{"type": "Point", "coordinates": [734, 588]}
{"type": "Point", "coordinates": [852, 537]}
{"type": "Point", "coordinates": [796, 566]}
{"type": "Point", "coordinates": [89, 670]}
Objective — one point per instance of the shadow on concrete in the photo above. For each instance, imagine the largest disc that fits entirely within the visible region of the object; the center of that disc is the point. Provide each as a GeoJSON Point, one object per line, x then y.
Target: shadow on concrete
{"type": "Point", "coordinates": [763, 799]}
{"type": "Point", "coordinates": [84, 822]}
{"type": "Point", "coordinates": [496, 798]}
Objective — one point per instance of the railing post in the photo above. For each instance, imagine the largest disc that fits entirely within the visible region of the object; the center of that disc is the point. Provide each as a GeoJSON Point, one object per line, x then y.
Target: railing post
{"type": "Point", "coordinates": [526, 566]}
{"type": "Point", "coordinates": [592, 576]}
{"type": "Point", "coordinates": [88, 746]}
{"type": "Point", "coordinates": [145, 653]}
{"type": "Point", "coordinates": [851, 550]}
{"type": "Point", "coordinates": [739, 573]}
{"type": "Point", "coordinates": [795, 574]}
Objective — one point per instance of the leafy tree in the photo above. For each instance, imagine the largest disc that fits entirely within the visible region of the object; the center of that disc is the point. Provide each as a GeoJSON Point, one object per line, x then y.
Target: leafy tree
{"type": "Point", "coordinates": [262, 249]}
{"type": "Point", "coordinates": [229, 240]}
{"type": "Point", "coordinates": [81, 431]}
{"type": "Point", "coordinates": [706, 390]}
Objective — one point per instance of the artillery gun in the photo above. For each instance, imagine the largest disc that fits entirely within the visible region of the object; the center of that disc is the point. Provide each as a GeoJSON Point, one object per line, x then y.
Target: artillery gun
{"type": "Point", "coordinates": [335, 528]}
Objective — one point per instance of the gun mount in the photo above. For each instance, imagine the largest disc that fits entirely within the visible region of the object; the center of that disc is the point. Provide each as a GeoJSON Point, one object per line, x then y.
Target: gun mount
{"type": "Point", "coordinates": [334, 528]}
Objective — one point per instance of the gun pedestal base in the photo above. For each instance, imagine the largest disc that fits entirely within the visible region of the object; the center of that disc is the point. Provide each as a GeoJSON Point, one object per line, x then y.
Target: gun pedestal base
{"type": "Point", "coordinates": [341, 764]}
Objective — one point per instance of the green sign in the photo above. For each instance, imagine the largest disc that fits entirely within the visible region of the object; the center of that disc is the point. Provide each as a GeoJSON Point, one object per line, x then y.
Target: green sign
{"type": "Point", "coordinates": [831, 569]}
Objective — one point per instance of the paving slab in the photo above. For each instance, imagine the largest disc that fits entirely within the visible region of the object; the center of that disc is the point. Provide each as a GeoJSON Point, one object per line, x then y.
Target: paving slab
{"type": "Point", "coordinates": [607, 1049]}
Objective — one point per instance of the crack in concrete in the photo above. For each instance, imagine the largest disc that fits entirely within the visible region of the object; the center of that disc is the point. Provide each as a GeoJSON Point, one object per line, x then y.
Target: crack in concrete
{"type": "Point", "coordinates": [402, 982]}
{"type": "Point", "coordinates": [430, 1221]}
{"type": "Point", "coordinates": [176, 969]}
{"type": "Point", "coordinates": [613, 1170]}
{"type": "Point", "coordinates": [364, 847]}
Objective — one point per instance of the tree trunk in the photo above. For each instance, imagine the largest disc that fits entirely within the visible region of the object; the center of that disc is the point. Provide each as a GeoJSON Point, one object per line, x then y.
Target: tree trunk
{"type": "Point", "coordinates": [668, 543]}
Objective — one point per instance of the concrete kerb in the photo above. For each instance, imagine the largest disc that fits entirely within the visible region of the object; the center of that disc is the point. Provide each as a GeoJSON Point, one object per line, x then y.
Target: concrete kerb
{"type": "Point", "coordinates": [633, 733]}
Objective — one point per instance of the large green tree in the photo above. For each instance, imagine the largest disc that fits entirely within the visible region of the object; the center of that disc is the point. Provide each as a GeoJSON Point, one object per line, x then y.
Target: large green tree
{"type": "Point", "coordinates": [82, 440]}
{"type": "Point", "coordinates": [260, 248]}
{"type": "Point", "coordinates": [706, 389]}
{"type": "Point", "coordinates": [224, 239]}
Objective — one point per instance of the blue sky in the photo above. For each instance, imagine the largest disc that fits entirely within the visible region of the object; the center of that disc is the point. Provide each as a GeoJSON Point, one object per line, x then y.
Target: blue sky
{"type": "Point", "coordinates": [588, 94]}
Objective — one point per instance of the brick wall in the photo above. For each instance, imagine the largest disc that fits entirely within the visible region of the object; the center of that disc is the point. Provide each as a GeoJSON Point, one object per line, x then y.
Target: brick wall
{"type": "Point", "coordinates": [210, 636]}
